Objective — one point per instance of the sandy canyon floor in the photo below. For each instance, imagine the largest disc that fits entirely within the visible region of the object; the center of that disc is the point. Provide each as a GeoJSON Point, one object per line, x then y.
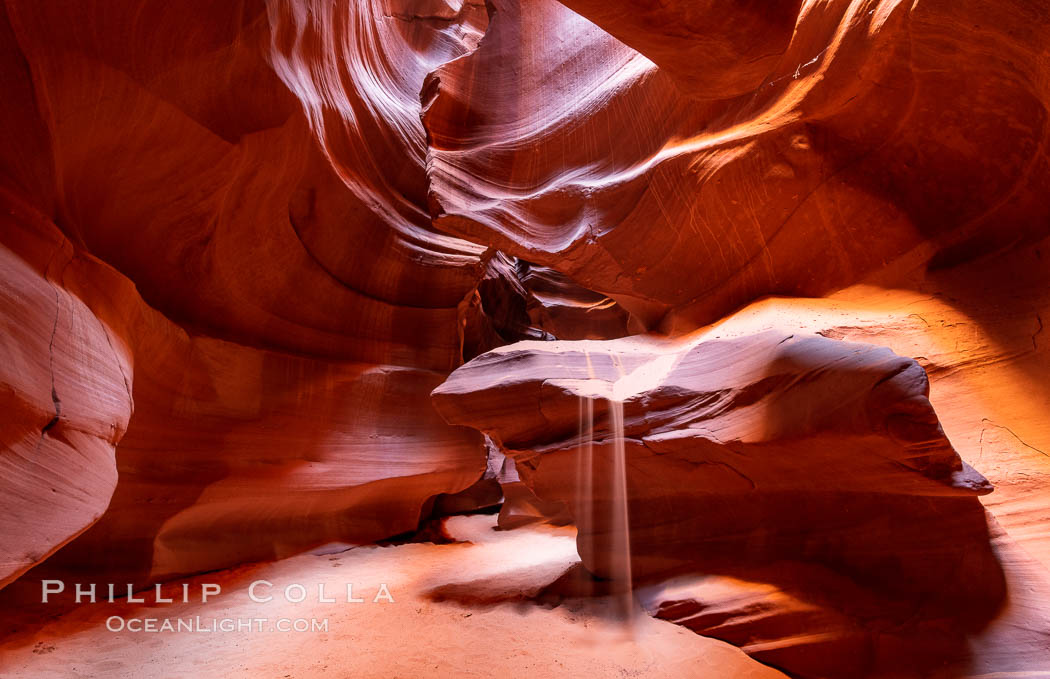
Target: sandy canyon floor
{"type": "Point", "coordinates": [470, 608]}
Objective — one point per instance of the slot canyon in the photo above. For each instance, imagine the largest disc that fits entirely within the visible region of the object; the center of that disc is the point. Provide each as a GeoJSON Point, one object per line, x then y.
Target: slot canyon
{"type": "Point", "coordinates": [663, 339]}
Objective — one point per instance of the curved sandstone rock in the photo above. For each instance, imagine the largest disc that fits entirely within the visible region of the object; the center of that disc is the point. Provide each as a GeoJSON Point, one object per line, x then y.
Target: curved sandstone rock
{"type": "Point", "coordinates": [232, 453]}
{"type": "Point", "coordinates": [227, 199]}
{"type": "Point", "coordinates": [836, 138]}
{"type": "Point", "coordinates": [738, 451]}
{"type": "Point", "coordinates": [64, 393]}
{"type": "Point", "coordinates": [243, 242]}
{"type": "Point", "coordinates": [517, 300]}
{"type": "Point", "coordinates": [713, 50]}
{"type": "Point", "coordinates": [229, 206]}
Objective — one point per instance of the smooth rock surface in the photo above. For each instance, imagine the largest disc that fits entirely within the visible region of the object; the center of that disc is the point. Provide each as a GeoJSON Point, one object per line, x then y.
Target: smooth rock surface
{"type": "Point", "coordinates": [740, 451]}
{"type": "Point", "coordinates": [977, 331]}
{"type": "Point", "coordinates": [813, 622]}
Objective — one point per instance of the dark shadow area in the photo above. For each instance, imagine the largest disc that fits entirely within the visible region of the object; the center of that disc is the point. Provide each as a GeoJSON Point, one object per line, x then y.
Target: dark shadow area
{"type": "Point", "coordinates": [573, 587]}
{"type": "Point", "coordinates": [836, 586]}
{"type": "Point", "coordinates": [432, 530]}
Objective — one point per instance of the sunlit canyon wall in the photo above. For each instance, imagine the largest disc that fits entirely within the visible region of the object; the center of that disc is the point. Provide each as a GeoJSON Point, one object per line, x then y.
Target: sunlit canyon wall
{"type": "Point", "coordinates": [243, 242]}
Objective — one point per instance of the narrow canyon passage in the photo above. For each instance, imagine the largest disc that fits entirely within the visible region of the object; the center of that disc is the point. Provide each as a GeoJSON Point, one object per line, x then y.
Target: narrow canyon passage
{"type": "Point", "coordinates": [657, 339]}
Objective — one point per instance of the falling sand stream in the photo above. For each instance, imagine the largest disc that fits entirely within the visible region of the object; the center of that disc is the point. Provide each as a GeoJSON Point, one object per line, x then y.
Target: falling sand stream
{"type": "Point", "coordinates": [619, 565]}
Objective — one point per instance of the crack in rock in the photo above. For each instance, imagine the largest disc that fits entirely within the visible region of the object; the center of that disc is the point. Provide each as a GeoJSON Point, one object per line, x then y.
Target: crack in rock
{"type": "Point", "coordinates": [51, 367]}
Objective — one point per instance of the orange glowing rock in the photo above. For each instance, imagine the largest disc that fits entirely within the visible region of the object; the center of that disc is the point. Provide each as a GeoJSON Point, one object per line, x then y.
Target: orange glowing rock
{"type": "Point", "coordinates": [739, 451]}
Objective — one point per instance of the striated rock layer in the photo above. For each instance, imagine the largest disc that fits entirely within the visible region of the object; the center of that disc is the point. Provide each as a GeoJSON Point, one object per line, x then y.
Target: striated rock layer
{"type": "Point", "coordinates": [223, 302]}
{"type": "Point", "coordinates": [242, 242]}
{"type": "Point", "coordinates": [746, 148]}
{"type": "Point", "coordinates": [232, 453]}
{"type": "Point", "coordinates": [64, 393]}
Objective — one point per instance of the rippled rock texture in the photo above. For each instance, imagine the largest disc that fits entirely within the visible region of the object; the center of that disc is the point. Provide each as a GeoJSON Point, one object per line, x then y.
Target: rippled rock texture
{"type": "Point", "coordinates": [65, 395]}
{"type": "Point", "coordinates": [242, 242]}
{"type": "Point", "coordinates": [224, 304]}
{"type": "Point", "coordinates": [746, 148]}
